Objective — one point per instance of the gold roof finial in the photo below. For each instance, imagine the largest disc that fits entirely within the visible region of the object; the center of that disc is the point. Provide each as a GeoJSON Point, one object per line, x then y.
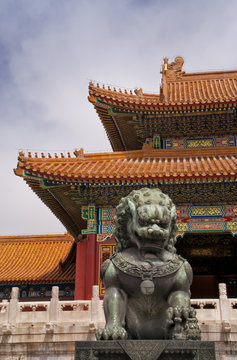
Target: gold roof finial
{"type": "Point", "coordinates": [138, 92]}
{"type": "Point", "coordinates": [79, 153]}
{"type": "Point", "coordinates": [21, 154]}
{"type": "Point", "coordinates": [173, 70]}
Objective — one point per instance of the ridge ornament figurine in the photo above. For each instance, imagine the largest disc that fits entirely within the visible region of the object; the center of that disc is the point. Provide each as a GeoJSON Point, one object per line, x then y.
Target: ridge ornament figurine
{"type": "Point", "coordinates": [147, 284]}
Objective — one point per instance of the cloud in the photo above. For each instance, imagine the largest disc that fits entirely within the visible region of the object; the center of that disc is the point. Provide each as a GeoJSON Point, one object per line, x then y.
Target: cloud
{"type": "Point", "coordinates": [50, 49]}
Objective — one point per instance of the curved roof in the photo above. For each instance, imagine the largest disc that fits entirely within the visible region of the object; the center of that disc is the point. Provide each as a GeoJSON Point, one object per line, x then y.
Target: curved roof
{"type": "Point", "coordinates": [174, 165]}
{"type": "Point", "coordinates": [35, 259]}
{"type": "Point", "coordinates": [178, 88]}
{"type": "Point", "coordinates": [66, 184]}
{"type": "Point", "coordinates": [186, 92]}
{"type": "Point", "coordinates": [183, 98]}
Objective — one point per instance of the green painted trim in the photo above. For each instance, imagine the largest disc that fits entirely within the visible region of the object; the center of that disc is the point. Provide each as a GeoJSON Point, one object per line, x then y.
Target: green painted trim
{"type": "Point", "coordinates": [46, 185]}
{"type": "Point", "coordinates": [28, 175]}
{"type": "Point", "coordinates": [85, 232]}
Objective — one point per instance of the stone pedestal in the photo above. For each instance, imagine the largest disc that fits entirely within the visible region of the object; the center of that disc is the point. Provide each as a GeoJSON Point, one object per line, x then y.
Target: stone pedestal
{"type": "Point", "coordinates": [145, 350]}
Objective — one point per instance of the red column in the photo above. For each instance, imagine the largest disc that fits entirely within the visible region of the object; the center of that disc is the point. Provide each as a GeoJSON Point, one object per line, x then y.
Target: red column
{"type": "Point", "coordinates": [97, 261]}
{"type": "Point", "coordinates": [85, 268]}
{"type": "Point", "coordinates": [80, 278]}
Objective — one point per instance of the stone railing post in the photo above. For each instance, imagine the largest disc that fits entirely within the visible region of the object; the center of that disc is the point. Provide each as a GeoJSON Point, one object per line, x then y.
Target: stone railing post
{"type": "Point", "coordinates": [54, 305]}
{"type": "Point", "coordinates": [95, 301]}
{"type": "Point", "coordinates": [13, 314]}
{"type": "Point", "coordinates": [224, 308]}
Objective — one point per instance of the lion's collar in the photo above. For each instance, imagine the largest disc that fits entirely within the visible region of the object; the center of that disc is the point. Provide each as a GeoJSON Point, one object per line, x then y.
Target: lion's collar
{"type": "Point", "coordinates": [145, 270]}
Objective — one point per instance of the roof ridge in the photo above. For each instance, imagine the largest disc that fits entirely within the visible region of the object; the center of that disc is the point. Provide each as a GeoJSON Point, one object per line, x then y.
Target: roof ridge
{"type": "Point", "coordinates": [36, 238]}
{"type": "Point", "coordinates": [21, 155]}
{"type": "Point", "coordinates": [147, 151]}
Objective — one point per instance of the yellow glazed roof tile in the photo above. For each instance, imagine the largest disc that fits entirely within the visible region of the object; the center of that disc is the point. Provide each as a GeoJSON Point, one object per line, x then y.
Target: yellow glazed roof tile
{"type": "Point", "coordinates": [35, 258]}
{"type": "Point", "coordinates": [132, 165]}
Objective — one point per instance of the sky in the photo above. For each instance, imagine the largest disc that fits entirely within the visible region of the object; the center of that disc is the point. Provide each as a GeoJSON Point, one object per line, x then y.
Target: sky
{"type": "Point", "coordinates": [51, 49]}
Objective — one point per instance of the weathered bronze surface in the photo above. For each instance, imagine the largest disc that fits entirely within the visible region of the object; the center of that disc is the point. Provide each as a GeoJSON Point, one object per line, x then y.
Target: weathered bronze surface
{"type": "Point", "coordinates": [147, 284]}
{"type": "Point", "coordinates": [144, 350]}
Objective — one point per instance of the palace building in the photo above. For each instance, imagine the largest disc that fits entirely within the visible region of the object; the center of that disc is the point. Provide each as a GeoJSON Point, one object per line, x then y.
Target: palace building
{"type": "Point", "coordinates": [183, 140]}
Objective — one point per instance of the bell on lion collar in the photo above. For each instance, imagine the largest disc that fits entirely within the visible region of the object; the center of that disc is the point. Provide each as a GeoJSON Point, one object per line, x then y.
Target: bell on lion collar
{"type": "Point", "coordinates": [147, 287]}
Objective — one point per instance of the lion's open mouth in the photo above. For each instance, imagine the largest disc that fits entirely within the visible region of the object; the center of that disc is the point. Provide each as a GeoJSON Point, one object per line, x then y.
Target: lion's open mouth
{"type": "Point", "coordinates": [151, 246]}
{"type": "Point", "coordinates": [151, 249]}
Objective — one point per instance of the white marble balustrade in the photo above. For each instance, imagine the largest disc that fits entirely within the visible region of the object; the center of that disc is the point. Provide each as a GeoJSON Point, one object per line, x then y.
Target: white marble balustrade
{"type": "Point", "coordinates": [79, 319]}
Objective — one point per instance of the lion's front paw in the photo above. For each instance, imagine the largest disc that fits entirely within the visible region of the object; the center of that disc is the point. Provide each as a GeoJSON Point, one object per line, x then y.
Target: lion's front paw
{"type": "Point", "coordinates": [114, 332]}
{"type": "Point", "coordinates": [179, 313]}
{"type": "Point", "coordinates": [183, 322]}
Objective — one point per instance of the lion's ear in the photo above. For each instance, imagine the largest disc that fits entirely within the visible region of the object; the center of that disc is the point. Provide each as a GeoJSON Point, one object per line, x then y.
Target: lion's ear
{"type": "Point", "coordinates": [132, 207]}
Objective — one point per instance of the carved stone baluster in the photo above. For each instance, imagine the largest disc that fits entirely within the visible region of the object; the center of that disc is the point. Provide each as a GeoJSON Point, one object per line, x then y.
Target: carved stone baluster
{"type": "Point", "coordinates": [201, 305]}
{"type": "Point", "coordinates": [224, 308]}
{"type": "Point", "coordinates": [54, 305]}
{"type": "Point", "coordinates": [13, 314]}
{"type": "Point", "coordinates": [95, 308]}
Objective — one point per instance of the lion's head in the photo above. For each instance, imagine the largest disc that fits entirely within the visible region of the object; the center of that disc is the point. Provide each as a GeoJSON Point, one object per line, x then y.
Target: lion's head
{"type": "Point", "coordinates": [146, 218]}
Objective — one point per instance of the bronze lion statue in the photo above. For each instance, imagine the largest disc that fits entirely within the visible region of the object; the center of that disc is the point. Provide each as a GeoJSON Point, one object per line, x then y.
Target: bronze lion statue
{"type": "Point", "coordinates": [147, 284]}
